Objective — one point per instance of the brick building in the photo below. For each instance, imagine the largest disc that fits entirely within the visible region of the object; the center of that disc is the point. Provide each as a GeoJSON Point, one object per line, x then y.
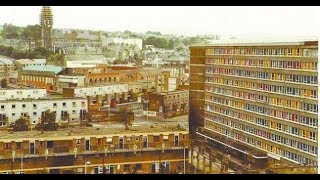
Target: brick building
{"type": "Point", "coordinates": [263, 95]}
{"type": "Point", "coordinates": [89, 150]}
{"type": "Point", "coordinates": [40, 76]}
{"type": "Point", "coordinates": [100, 96]}
{"type": "Point", "coordinates": [169, 104]}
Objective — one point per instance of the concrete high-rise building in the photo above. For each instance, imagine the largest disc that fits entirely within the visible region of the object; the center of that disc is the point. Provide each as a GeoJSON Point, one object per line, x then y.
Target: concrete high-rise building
{"type": "Point", "coordinates": [259, 99]}
{"type": "Point", "coordinates": [46, 23]}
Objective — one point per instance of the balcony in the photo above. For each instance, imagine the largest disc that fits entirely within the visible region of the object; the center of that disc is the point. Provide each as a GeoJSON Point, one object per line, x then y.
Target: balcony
{"type": "Point", "coordinates": [97, 149]}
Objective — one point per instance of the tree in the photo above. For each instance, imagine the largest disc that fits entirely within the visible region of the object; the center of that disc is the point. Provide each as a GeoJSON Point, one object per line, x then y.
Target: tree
{"type": "Point", "coordinates": [153, 32]}
{"type": "Point", "coordinates": [48, 121]}
{"type": "Point", "coordinates": [171, 44]}
{"type": "Point", "coordinates": [180, 48]}
{"type": "Point", "coordinates": [165, 111]}
{"type": "Point", "coordinates": [32, 32]}
{"type": "Point", "coordinates": [10, 31]}
{"type": "Point", "coordinates": [4, 83]}
{"type": "Point", "coordinates": [44, 51]}
{"type": "Point", "coordinates": [126, 117]}
{"type": "Point", "coordinates": [156, 42]}
{"type": "Point", "coordinates": [38, 53]}
{"type": "Point", "coordinates": [21, 125]}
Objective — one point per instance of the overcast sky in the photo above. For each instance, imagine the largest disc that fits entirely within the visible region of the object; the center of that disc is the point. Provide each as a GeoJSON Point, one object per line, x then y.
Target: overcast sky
{"type": "Point", "coordinates": [226, 21]}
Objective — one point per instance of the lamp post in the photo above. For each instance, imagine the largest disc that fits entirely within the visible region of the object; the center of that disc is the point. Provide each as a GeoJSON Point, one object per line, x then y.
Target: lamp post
{"type": "Point", "coordinates": [13, 155]}
{"type": "Point", "coordinates": [184, 160]}
{"type": "Point", "coordinates": [103, 160]}
{"type": "Point", "coordinates": [85, 166]}
{"type": "Point", "coordinates": [46, 155]}
{"type": "Point", "coordinates": [22, 162]}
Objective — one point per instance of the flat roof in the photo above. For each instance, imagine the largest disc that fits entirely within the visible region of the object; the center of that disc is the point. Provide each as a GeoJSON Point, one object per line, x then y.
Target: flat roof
{"type": "Point", "coordinates": [6, 61]}
{"type": "Point", "coordinates": [98, 85]}
{"type": "Point", "coordinates": [20, 88]}
{"type": "Point", "coordinates": [30, 61]}
{"type": "Point", "coordinates": [48, 98]}
{"type": "Point", "coordinates": [139, 126]}
{"type": "Point", "coordinates": [46, 68]}
{"type": "Point", "coordinates": [280, 41]}
{"type": "Point", "coordinates": [173, 92]}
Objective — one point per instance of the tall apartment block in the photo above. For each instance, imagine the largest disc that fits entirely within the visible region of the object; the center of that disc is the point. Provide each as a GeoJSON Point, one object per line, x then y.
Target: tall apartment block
{"type": "Point", "coordinates": [257, 98]}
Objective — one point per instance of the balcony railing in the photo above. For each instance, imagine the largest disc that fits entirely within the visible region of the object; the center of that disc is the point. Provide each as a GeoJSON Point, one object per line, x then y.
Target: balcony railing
{"type": "Point", "coordinates": [96, 149]}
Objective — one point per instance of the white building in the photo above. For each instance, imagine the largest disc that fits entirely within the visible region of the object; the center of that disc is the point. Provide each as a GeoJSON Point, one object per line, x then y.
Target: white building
{"type": "Point", "coordinates": [72, 80]}
{"type": "Point", "coordinates": [126, 41]}
{"type": "Point", "coordinates": [71, 110]}
{"type": "Point", "coordinates": [85, 63]}
{"type": "Point", "coordinates": [22, 63]}
{"type": "Point", "coordinates": [21, 94]}
{"type": "Point", "coordinates": [100, 90]}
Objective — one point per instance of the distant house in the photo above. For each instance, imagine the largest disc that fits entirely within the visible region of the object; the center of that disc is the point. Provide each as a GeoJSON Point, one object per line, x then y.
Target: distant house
{"type": "Point", "coordinates": [137, 42]}
{"type": "Point", "coordinates": [7, 68]}
{"type": "Point", "coordinates": [22, 63]}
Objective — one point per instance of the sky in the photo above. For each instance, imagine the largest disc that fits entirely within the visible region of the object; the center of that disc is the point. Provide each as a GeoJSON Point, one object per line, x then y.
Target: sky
{"type": "Point", "coordinates": [190, 21]}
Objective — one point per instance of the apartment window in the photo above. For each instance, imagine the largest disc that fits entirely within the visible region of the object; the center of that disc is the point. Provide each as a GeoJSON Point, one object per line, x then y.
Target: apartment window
{"type": "Point", "coordinates": [23, 105]}
{"type": "Point", "coordinates": [18, 145]}
{"type": "Point", "coordinates": [313, 107]}
{"type": "Point", "coordinates": [49, 144]}
{"type": "Point", "coordinates": [295, 131]}
{"type": "Point", "coordinates": [74, 104]}
{"type": "Point", "coordinates": [13, 106]}
{"type": "Point", "coordinates": [2, 106]}
{"type": "Point", "coordinates": [298, 52]}
{"type": "Point", "coordinates": [34, 113]}
{"type": "Point", "coordinates": [64, 104]}
{"type": "Point", "coordinates": [279, 127]}
{"type": "Point", "coordinates": [100, 141]}
{"type": "Point", "coordinates": [64, 114]}
{"type": "Point", "coordinates": [156, 138]}
{"type": "Point", "coordinates": [314, 80]}
{"type": "Point", "coordinates": [13, 114]}
{"type": "Point", "coordinates": [313, 135]}
{"type": "Point", "coordinates": [109, 140]}
{"type": "Point", "coordinates": [7, 145]}
{"type": "Point", "coordinates": [34, 106]}
{"type": "Point", "coordinates": [78, 141]}
{"type": "Point", "coordinates": [54, 104]}
{"type": "Point", "coordinates": [314, 94]}
{"type": "Point", "coordinates": [73, 111]}
{"type": "Point", "coordinates": [298, 65]}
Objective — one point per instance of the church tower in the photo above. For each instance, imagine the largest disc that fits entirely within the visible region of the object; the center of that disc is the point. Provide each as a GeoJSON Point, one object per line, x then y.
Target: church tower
{"type": "Point", "coordinates": [46, 22]}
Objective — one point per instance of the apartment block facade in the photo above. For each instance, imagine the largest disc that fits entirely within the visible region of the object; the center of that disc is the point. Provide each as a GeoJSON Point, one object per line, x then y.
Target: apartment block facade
{"type": "Point", "coordinates": [22, 93]}
{"type": "Point", "coordinates": [91, 151]}
{"type": "Point", "coordinates": [71, 110]}
{"type": "Point", "coordinates": [263, 95]}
